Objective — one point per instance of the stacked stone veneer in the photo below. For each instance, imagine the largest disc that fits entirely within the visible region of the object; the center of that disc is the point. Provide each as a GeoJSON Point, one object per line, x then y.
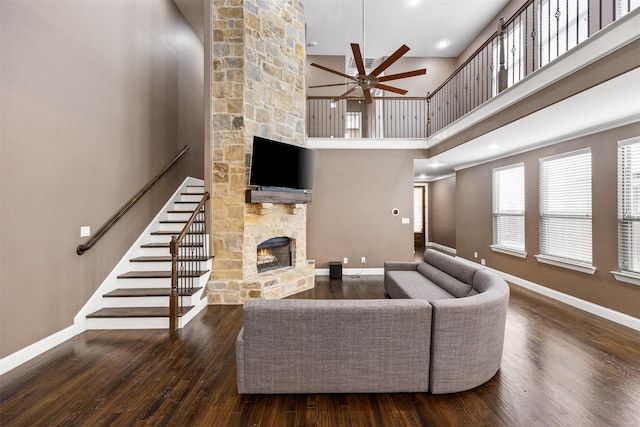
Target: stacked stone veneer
{"type": "Point", "coordinates": [258, 89]}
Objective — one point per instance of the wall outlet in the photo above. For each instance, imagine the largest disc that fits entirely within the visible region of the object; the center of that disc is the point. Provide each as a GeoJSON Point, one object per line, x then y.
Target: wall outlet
{"type": "Point", "coordinates": [483, 262]}
{"type": "Point", "coordinates": [363, 260]}
{"type": "Point", "coordinates": [475, 254]}
{"type": "Point", "coordinates": [85, 231]}
{"type": "Point", "coordinates": [345, 260]}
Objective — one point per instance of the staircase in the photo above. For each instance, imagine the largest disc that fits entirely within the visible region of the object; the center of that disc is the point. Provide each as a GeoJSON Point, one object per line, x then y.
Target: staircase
{"type": "Point", "coordinates": [136, 294]}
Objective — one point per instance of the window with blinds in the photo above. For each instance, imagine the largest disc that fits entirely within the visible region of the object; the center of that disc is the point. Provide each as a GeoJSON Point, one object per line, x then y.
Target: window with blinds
{"type": "Point", "coordinates": [508, 209]}
{"type": "Point", "coordinates": [565, 210]}
{"type": "Point", "coordinates": [629, 205]}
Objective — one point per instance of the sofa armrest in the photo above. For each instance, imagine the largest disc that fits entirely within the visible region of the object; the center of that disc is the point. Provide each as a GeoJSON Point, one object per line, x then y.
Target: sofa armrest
{"type": "Point", "coordinates": [467, 339]}
{"type": "Point", "coordinates": [396, 266]}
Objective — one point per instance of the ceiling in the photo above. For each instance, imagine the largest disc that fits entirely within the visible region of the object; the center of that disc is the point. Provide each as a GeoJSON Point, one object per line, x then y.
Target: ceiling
{"type": "Point", "coordinates": [420, 24]}
{"type": "Point", "coordinates": [332, 25]}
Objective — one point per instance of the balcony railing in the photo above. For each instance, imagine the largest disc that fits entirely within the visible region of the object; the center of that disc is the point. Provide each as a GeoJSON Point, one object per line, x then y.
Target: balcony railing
{"type": "Point", "coordinates": [386, 117]}
{"type": "Point", "coordinates": [540, 32]}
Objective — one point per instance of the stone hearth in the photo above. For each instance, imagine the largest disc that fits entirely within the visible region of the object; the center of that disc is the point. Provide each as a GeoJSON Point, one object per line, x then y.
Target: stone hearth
{"type": "Point", "coordinates": [258, 89]}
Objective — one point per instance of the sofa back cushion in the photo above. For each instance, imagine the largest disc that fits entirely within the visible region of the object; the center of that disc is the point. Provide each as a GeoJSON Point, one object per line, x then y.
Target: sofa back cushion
{"type": "Point", "coordinates": [463, 271]}
{"type": "Point", "coordinates": [448, 283]}
{"type": "Point", "coordinates": [334, 346]}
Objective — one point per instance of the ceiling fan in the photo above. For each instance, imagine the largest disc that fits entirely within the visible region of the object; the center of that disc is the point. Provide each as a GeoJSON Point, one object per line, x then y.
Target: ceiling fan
{"type": "Point", "coordinates": [371, 81]}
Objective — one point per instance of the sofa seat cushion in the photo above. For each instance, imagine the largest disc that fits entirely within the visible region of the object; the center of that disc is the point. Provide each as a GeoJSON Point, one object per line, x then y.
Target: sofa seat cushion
{"type": "Point", "coordinates": [413, 285]}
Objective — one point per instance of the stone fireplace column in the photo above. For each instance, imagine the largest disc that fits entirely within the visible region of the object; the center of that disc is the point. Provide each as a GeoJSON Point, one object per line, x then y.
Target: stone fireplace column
{"type": "Point", "coordinates": [258, 88]}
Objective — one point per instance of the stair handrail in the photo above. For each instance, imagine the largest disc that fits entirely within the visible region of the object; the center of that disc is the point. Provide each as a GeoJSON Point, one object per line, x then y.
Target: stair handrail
{"type": "Point", "coordinates": [82, 248]}
{"type": "Point", "coordinates": [174, 249]}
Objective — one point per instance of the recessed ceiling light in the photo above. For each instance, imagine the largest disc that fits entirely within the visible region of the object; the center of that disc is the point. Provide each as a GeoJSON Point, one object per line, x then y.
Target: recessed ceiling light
{"type": "Point", "coordinates": [413, 2]}
{"type": "Point", "coordinates": [443, 44]}
{"type": "Point", "coordinates": [434, 164]}
{"type": "Point", "coordinates": [493, 146]}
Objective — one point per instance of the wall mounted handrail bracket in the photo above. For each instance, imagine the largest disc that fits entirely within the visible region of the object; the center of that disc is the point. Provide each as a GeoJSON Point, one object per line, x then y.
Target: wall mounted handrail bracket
{"type": "Point", "coordinates": [82, 248]}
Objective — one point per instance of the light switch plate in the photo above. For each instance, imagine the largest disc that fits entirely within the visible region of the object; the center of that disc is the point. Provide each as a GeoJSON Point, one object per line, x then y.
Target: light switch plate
{"type": "Point", "coordinates": [85, 231]}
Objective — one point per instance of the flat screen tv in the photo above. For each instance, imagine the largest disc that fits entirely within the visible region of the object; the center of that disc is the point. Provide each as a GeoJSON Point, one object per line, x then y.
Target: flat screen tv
{"type": "Point", "coordinates": [283, 166]}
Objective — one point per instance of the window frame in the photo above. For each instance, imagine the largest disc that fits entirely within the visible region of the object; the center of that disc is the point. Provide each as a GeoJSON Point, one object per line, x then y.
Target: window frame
{"type": "Point", "coordinates": [625, 197]}
{"type": "Point", "coordinates": [559, 261]}
{"type": "Point", "coordinates": [496, 214]}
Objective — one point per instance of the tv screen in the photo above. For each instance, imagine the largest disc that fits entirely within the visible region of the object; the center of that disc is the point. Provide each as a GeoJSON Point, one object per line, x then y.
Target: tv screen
{"type": "Point", "coordinates": [276, 164]}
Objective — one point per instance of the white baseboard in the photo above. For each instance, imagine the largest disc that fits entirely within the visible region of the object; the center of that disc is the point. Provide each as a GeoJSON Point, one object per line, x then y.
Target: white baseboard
{"type": "Point", "coordinates": [36, 349]}
{"type": "Point", "coordinates": [353, 272]}
{"type": "Point", "coordinates": [589, 307]}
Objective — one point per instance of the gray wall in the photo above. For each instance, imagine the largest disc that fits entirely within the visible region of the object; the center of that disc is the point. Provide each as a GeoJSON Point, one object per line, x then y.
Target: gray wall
{"type": "Point", "coordinates": [353, 194]}
{"type": "Point", "coordinates": [97, 97]}
{"type": "Point", "coordinates": [474, 223]}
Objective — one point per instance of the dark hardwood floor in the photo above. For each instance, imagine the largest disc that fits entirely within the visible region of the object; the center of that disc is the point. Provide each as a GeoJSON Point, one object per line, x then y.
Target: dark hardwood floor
{"type": "Point", "coordinates": [561, 367]}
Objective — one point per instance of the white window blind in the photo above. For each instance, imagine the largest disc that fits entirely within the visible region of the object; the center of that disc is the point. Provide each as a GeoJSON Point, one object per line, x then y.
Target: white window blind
{"type": "Point", "coordinates": [508, 207]}
{"type": "Point", "coordinates": [565, 208]}
{"type": "Point", "coordinates": [629, 205]}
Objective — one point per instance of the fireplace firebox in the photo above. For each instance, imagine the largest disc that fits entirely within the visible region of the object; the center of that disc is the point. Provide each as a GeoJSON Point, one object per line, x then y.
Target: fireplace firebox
{"type": "Point", "coordinates": [274, 253]}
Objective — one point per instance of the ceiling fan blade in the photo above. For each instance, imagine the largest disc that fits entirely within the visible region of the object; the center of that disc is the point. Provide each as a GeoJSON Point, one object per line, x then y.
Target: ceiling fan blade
{"type": "Point", "coordinates": [402, 75]}
{"type": "Point", "coordinates": [391, 89]}
{"type": "Point", "coordinates": [335, 84]}
{"type": "Point", "coordinates": [357, 56]}
{"type": "Point", "coordinates": [344, 95]}
{"type": "Point", "coordinates": [322, 67]}
{"type": "Point", "coordinates": [390, 60]}
{"type": "Point", "coordinates": [367, 96]}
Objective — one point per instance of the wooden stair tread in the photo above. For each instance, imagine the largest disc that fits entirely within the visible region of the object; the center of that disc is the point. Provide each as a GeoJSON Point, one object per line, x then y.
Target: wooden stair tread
{"type": "Point", "coordinates": [170, 233]}
{"type": "Point", "coordinates": [179, 221]}
{"type": "Point", "coordinates": [166, 245]}
{"type": "Point", "coordinates": [159, 274]}
{"type": "Point", "coordinates": [148, 292]}
{"type": "Point", "coordinates": [168, 258]}
{"type": "Point", "coordinates": [119, 312]}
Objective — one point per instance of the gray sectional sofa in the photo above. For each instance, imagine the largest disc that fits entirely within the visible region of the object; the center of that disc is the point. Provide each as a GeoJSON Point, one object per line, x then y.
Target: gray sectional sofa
{"type": "Point", "coordinates": [442, 331]}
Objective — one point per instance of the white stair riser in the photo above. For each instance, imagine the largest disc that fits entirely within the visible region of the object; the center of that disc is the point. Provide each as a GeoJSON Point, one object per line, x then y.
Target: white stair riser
{"type": "Point", "coordinates": [162, 282]}
{"type": "Point", "coordinates": [162, 251]}
{"type": "Point", "coordinates": [176, 226]}
{"type": "Point", "coordinates": [128, 323]}
{"type": "Point", "coordinates": [185, 206]}
{"type": "Point", "coordinates": [144, 301]}
{"type": "Point", "coordinates": [191, 198]}
{"type": "Point", "coordinates": [163, 266]}
{"type": "Point", "coordinates": [183, 216]}
{"type": "Point", "coordinates": [194, 189]}
{"type": "Point", "coordinates": [144, 283]}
